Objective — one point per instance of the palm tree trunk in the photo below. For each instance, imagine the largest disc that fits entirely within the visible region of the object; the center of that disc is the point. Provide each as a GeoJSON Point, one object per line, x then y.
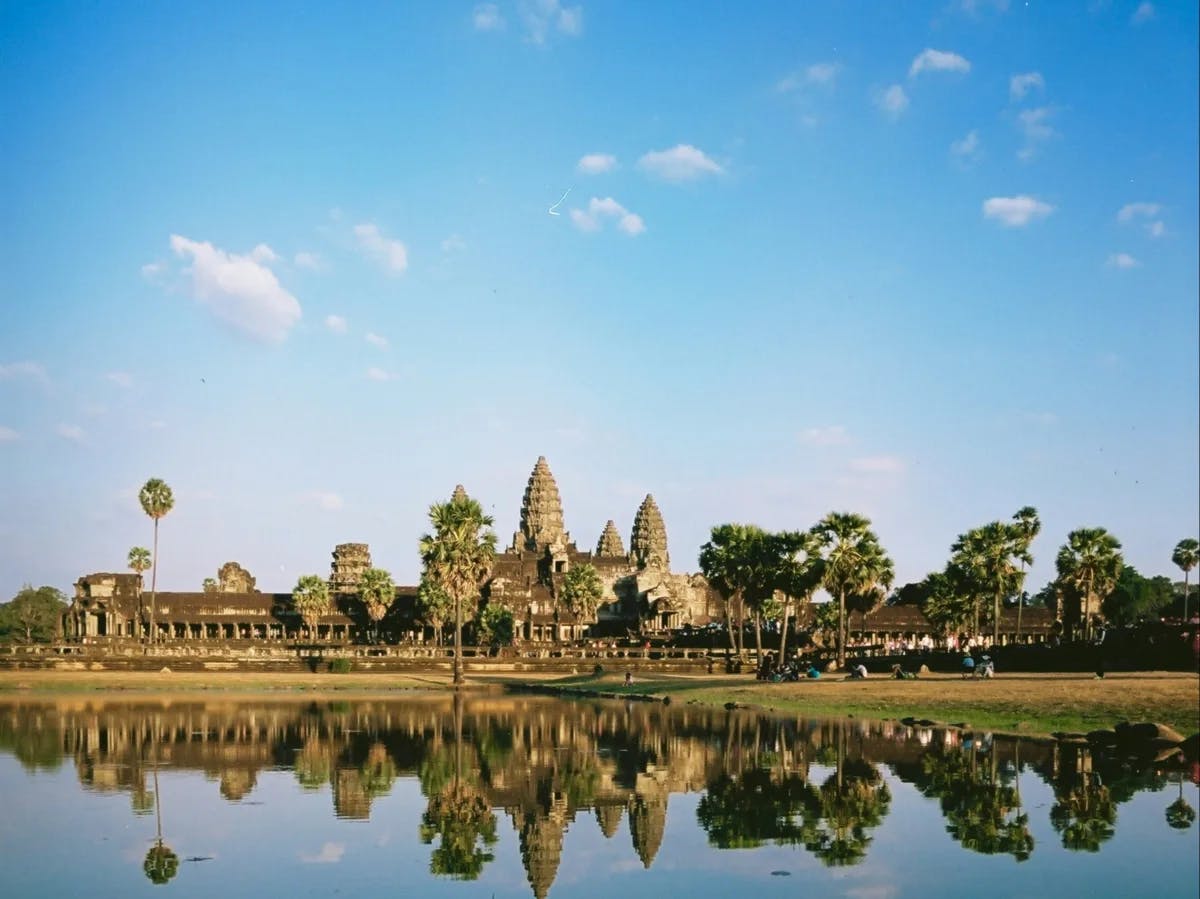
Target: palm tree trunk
{"type": "Point", "coordinates": [996, 603]}
{"type": "Point", "coordinates": [154, 581]}
{"type": "Point", "coordinates": [729, 626]}
{"type": "Point", "coordinates": [783, 629]}
{"type": "Point", "coordinates": [458, 675]}
{"type": "Point", "coordinates": [842, 629]}
{"type": "Point", "coordinates": [758, 637]}
{"type": "Point", "coordinates": [1087, 604]}
{"type": "Point", "coordinates": [1020, 601]}
{"type": "Point", "coordinates": [1185, 597]}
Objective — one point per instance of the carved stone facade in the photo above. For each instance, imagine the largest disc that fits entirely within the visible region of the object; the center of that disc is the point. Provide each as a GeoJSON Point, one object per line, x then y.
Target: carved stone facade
{"type": "Point", "coordinates": [648, 543]}
{"type": "Point", "coordinates": [350, 560]}
{"type": "Point", "coordinates": [233, 578]}
{"type": "Point", "coordinates": [610, 546]}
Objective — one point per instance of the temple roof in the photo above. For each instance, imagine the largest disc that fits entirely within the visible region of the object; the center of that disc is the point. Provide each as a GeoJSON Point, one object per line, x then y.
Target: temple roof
{"type": "Point", "coordinates": [648, 542]}
{"type": "Point", "coordinates": [610, 545]}
{"type": "Point", "coordinates": [541, 511]}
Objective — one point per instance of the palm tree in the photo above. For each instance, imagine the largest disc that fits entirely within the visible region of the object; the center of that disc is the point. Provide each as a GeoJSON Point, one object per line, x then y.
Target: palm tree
{"type": "Point", "coordinates": [581, 591]}
{"type": "Point", "coordinates": [999, 547]}
{"type": "Point", "coordinates": [799, 569]}
{"type": "Point", "coordinates": [377, 593]}
{"type": "Point", "coordinates": [1030, 525]}
{"type": "Point", "coordinates": [433, 607]}
{"type": "Point", "coordinates": [139, 561]}
{"type": "Point", "coordinates": [310, 598]}
{"type": "Point", "coordinates": [731, 562]}
{"type": "Point", "coordinates": [855, 563]}
{"type": "Point", "coordinates": [1185, 556]}
{"type": "Point", "coordinates": [161, 863]}
{"type": "Point", "coordinates": [458, 557]}
{"type": "Point", "coordinates": [1090, 564]}
{"type": "Point", "coordinates": [157, 500]}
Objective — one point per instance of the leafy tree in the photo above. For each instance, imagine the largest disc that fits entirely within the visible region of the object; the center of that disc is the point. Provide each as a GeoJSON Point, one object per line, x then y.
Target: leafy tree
{"type": "Point", "coordinates": [139, 559]}
{"type": "Point", "coordinates": [581, 591]}
{"type": "Point", "coordinates": [1029, 525]}
{"type": "Point", "coordinates": [1135, 598]}
{"type": "Point", "coordinates": [161, 863]}
{"type": "Point", "coordinates": [732, 562]}
{"type": "Point", "coordinates": [434, 606]}
{"type": "Point", "coordinates": [377, 593]}
{"type": "Point", "coordinates": [986, 558]}
{"type": "Point", "coordinates": [798, 570]}
{"type": "Point", "coordinates": [157, 500]}
{"type": "Point", "coordinates": [855, 564]}
{"type": "Point", "coordinates": [1089, 564]}
{"type": "Point", "coordinates": [310, 599]}
{"type": "Point", "coordinates": [1186, 556]}
{"type": "Point", "coordinates": [32, 615]}
{"type": "Point", "coordinates": [458, 557]}
{"type": "Point", "coordinates": [496, 625]}
{"type": "Point", "coordinates": [210, 585]}
{"type": "Point", "coordinates": [758, 807]}
{"type": "Point", "coordinates": [946, 607]}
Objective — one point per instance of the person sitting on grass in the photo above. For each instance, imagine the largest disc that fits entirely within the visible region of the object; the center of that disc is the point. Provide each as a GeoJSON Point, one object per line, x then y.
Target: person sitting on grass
{"type": "Point", "coordinates": [813, 672]}
{"type": "Point", "coordinates": [968, 666]}
{"type": "Point", "coordinates": [858, 672]}
{"type": "Point", "coordinates": [900, 674]}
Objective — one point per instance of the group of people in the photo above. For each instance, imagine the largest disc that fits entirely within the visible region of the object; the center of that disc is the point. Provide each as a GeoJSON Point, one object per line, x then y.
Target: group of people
{"type": "Point", "coordinates": [770, 669]}
{"type": "Point", "coordinates": [985, 667]}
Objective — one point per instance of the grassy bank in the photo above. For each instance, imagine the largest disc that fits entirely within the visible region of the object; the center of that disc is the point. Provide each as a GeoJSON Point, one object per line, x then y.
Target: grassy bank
{"type": "Point", "coordinates": [1035, 704]}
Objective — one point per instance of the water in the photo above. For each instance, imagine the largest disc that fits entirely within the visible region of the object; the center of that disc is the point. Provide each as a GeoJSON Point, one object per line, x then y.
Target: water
{"type": "Point", "coordinates": [513, 796]}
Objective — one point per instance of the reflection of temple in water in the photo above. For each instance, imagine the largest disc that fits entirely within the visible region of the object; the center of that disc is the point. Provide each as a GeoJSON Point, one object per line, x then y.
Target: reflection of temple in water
{"type": "Point", "coordinates": [547, 765]}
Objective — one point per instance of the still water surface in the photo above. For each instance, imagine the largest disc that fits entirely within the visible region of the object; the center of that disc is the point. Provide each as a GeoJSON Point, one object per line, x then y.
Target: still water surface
{"type": "Point", "coordinates": [515, 796]}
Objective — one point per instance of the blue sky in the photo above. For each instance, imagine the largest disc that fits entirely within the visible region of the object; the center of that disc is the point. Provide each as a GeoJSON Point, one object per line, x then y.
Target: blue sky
{"type": "Point", "coordinates": [927, 262]}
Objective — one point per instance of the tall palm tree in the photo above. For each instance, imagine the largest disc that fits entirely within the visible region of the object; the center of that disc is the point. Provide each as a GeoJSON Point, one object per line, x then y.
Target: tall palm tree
{"type": "Point", "coordinates": [1001, 546]}
{"type": "Point", "coordinates": [730, 562]}
{"type": "Point", "coordinates": [377, 593]}
{"type": "Point", "coordinates": [1185, 556]}
{"type": "Point", "coordinates": [157, 500]}
{"type": "Point", "coordinates": [139, 561]}
{"type": "Point", "coordinates": [1089, 564]}
{"type": "Point", "coordinates": [799, 570]}
{"type": "Point", "coordinates": [581, 591]}
{"type": "Point", "coordinates": [855, 563]}
{"type": "Point", "coordinates": [1030, 525]}
{"type": "Point", "coordinates": [458, 557]}
{"type": "Point", "coordinates": [310, 598]}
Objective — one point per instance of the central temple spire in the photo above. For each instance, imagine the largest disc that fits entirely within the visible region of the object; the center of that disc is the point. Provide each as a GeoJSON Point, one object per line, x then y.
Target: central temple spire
{"type": "Point", "coordinates": [541, 512]}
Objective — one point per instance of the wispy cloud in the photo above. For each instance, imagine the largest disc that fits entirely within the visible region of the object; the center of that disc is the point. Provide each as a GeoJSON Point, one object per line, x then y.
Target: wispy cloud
{"type": "Point", "coordinates": [336, 324]}
{"type": "Point", "coordinates": [877, 465]}
{"type": "Point", "coordinates": [453, 244]}
{"type": "Point", "coordinates": [1035, 125]}
{"type": "Point", "coordinates": [387, 251]}
{"type": "Point", "coordinates": [310, 261]}
{"type": "Point", "coordinates": [70, 432]}
{"type": "Point", "coordinates": [599, 210]}
{"type": "Point", "coordinates": [8, 435]}
{"type": "Point", "coordinates": [1131, 213]}
{"type": "Point", "coordinates": [683, 162]}
{"type": "Point", "coordinates": [152, 271]}
{"type": "Point", "coordinates": [331, 502]}
{"type": "Point", "coordinates": [930, 60]}
{"type": "Point", "coordinates": [1016, 212]}
{"type": "Point", "coordinates": [892, 100]}
{"type": "Point", "coordinates": [239, 290]}
{"type": "Point", "coordinates": [827, 435]}
{"type": "Point", "coordinates": [1144, 13]}
{"type": "Point", "coordinates": [819, 73]}
{"type": "Point", "coordinates": [1020, 85]}
{"type": "Point", "coordinates": [120, 378]}
{"type": "Point", "coordinates": [330, 853]}
{"type": "Point", "coordinates": [374, 373]}
{"type": "Point", "coordinates": [596, 163]}
{"type": "Point", "coordinates": [263, 253]}
{"type": "Point", "coordinates": [967, 147]}
{"type": "Point", "coordinates": [1122, 260]}
{"type": "Point", "coordinates": [541, 17]}
{"type": "Point", "coordinates": [486, 17]}
{"type": "Point", "coordinates": [377, 340]}
{"type": "Point", "coordinates": [975, 7]}
{"type": "Point", "coordinates": [13, 371]}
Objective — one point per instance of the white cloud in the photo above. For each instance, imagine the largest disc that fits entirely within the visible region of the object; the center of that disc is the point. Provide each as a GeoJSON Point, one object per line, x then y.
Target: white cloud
{"type": "Point", "coordinates": [892, 100]}
{"type": "Point", "coordinates": [377, 340]}
{"type": "Point", "coordinates": [8, 435]}
{"type": "Point", "coordinates": [327, 500]}
{"type": "Point", "coordinates": [330, 853]}
{"type": "Point", "coordinates": [486, 17]}
{"type": "Point", "coordinates": [378, 374]}
{"type": "Point", "coordinates": [389, 252]}
{"type": "Point", "coordinates": [309, 261]}
{"type": "Point", "coordinates": [239, 290]}
{"type": "Point", "coordinates": [1122, 260]}
{"type": "Point", "coordinates": [70, 432]}
{"type": "Point", "coordinates": [683, 162]}
{"type": "Point", "coordinates": [543, 16]}
{"type": "Point", "coordinates": [967, 147]}
{"type": "Point", "coordinates": [828, 435]}
{"type": "Point", "coordinates": [152, 270]}
{"type": "Point", "coordinates": [1020, 85]}
{"type": "Point", "coordinates": [598, 210]}
{"type": "Point", "coordinates": [120, 378]}
{"type": "Point", "coordinates": [453, 244]}
{"type": "Point", "coordinates": [819, 73]}
{"type": "Point", "coordinates": [336, 324]}
{"type": "Point", "coordinates": [1035, 125]}
{"type": "Point", "coordinates": [1131, 211]}
{"type": "Point", "coordinates": [929, 60]}
{"type": "Point", "coordinates": [1144, 13]}
{"type": "Point", "coordinates": [596, 163]}
{"type": "Point", "coordinates": [877, 465]}
{"type": "Point", "coordinates": [1156, 229]}
{"type": "Point", "coordinates": [15, 370]}
{"type": "Point", "coordinates": [263, 253]}
{"type": "Point", "coordinates": [1016, 212]}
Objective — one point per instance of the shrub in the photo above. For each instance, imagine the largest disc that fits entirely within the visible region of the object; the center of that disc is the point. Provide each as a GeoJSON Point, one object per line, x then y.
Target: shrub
{"type": "Point", "coordinates": [341, 666]}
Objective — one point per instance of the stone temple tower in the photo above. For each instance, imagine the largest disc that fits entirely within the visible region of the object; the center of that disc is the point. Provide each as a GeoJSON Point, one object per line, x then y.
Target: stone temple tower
{"type": "Point", "coordinates": [541, 514]}
{"type": "Point", "coordinates": [350, 560]}
{"type": "Point", "coordinates": [648, 542]}
{"type": "Point", "coordinates": [610, 545]}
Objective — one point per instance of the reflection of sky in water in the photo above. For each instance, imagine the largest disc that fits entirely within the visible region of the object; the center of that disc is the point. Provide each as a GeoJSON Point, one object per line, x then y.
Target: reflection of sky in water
{"type": "Point", "coordinates": [280, 839]}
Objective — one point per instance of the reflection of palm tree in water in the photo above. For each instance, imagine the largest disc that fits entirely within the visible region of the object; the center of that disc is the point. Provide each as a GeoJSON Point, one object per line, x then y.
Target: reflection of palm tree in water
{"type": "Point", "coordinates": [1180, 815]}
{"type": "Point", "coordinates": [161, 862]}
{"type": "Point", "coordinates": [1084, 812]}
{"type": "Point", "coordinates": [460, 817]}
{"type": "Point", "coordinates": [853, 799]}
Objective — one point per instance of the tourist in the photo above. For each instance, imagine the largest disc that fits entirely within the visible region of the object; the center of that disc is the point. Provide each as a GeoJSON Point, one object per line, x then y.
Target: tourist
{"type": "Point", "coordinates": [858, 672]}
{"type": "Point", "coordinates": [628, 678]}
{"type": "Point", "coordinates": [813, 672]}
{"type": "Point", "coordinates": [968, 665]}
{"type": "Point", "coordinates": [987, 667]}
